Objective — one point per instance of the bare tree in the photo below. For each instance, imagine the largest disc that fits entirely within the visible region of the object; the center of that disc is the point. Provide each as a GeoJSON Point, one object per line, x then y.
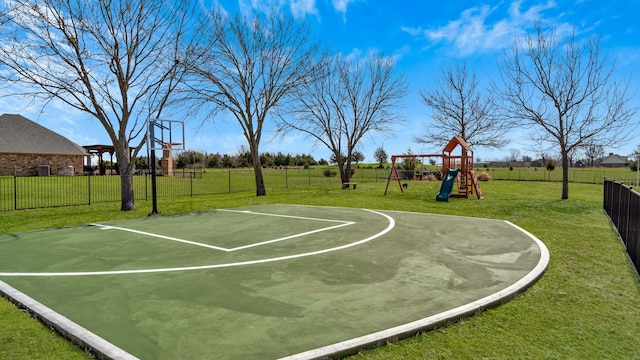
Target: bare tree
{"type": "Point", "coordinates": [566, 91]}
{"type": "Point", "coordinates": [593, 151]}
{"type": "Point", "coordinates": [459, 107]}
{"type": "Point", "coordinates": [635, 162]}
{"type": "Point", "coordinates": [636, 153]}
{"type": "Point", "coordinates": [514, 154]}
{"type": "Point", "coordinates": [349, 101]}
{"type": "Point", "coordinates": [116, 60]}
{"type": "Point", "coordinates": [253, 62]}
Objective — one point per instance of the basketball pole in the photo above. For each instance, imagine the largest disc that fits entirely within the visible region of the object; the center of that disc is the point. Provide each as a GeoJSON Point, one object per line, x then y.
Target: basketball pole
{"type": "Point", "coordinates": [152, 160]}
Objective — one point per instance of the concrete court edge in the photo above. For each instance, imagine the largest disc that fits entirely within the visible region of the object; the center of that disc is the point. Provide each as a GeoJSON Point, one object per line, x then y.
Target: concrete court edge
{"type": "Point", "coordinates": [381, 338]}
{"type": "Point", "coordinates": [75, 333]}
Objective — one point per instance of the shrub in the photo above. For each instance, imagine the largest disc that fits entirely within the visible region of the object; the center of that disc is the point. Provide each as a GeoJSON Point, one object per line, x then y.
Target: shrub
{"type": "Point", "coordinates": [329, 173]}
{"type": "Point", "coordinates": [407, 174]}
{"type": "Point", "coordinates": [550, 166]}
{"type": "Point", "coordinates": [484, 176]}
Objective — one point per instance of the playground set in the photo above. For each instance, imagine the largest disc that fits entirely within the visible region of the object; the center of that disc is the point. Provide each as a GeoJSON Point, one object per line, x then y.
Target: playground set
{"type": "Point", "coordinates": [456, 169]}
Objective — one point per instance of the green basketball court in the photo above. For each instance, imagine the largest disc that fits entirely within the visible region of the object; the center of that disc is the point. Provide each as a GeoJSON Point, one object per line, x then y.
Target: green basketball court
{"type": "Point", "coordinates": [265, 282]}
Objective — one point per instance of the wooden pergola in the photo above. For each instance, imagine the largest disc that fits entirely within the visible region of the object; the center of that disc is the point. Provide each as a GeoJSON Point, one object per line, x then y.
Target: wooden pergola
{"type": "Point", "coordinates": [100, 150]}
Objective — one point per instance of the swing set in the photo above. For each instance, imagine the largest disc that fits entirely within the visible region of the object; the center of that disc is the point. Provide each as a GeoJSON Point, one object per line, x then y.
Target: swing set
{"type": "Point", "coordinates": [465, 178]}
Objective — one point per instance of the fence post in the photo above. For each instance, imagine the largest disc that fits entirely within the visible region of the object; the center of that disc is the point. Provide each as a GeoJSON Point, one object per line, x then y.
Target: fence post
{"type": "Point", "coordinates": [15, 189]}
{"type": "Point", "coordinates": [146, 186]}
{"type": "Point", "coordinates": [628, 214]}
{"type": "Point", "coordinates": [607, 196]}
{"type": "Point", "coordinates": [621, 214]}
{"type": "Point", "coordinates": [89, 187]}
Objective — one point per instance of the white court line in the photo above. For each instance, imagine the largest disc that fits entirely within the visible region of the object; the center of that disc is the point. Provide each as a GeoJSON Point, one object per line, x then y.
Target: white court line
{"type": "Point", "coordinates": [291, 236]}
{"type": "Point", "coordinates": [404, 331]}
{"type": "Point", "coordinates": [280, 215]}
{"type": "Point", "coordinates": [342, 223]}
{"type": "Point", "coordinates": [107, 227]}
{"type": "Point", "coordinates": [390, 227]}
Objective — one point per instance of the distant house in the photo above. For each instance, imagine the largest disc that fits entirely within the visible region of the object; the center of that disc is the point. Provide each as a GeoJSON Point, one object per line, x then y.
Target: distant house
{"type": "Point", "coordinates": [27, 148]}
{"type": "Point", "coordinates": [613, 160]}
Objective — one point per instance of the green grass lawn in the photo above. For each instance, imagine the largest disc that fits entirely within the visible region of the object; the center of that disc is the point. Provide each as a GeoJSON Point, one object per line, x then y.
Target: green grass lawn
{"type": "Point", "coordinates": [585, 306]}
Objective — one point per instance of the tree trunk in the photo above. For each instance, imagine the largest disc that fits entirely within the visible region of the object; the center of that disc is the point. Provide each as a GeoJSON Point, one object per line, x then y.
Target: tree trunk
{"type": "Point", "coordinates": [344, 175]}
{"type": "Point", "coordinates": [347, 171]}
{"type": "Point", "coordinates": [257, 169]}
{"type": "Point", "coordinates": [565, 175]}
{"type": "Point", "coordinates": [125, 166]}
{"type": "Point", "coordinates": [126, 186]}
{"type": "Point", "coordinates": [126, 182]}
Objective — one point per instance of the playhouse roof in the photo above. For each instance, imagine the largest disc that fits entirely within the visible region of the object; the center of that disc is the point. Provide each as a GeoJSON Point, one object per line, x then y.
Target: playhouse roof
{"type": "Point", "coordinates": [455, 141]}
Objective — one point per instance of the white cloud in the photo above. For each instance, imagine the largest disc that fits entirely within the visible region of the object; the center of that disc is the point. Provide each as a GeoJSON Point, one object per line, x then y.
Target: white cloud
{"type": "Point", "coordinates": [355, 55]}
{"type": "Point", "coordinates": [413, 31]}
{"type": "Point", "coordinates": [487, 29]}
{"type": "Point", "coordinates": [298, 8]}
{"type": "Point", "coordinates": [341, 7]}
{"type": "Point", "coordinates": [301, 8]}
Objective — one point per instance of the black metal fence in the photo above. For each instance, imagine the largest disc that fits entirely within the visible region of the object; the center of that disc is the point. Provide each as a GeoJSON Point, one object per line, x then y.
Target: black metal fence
{"type": "Point", "coordinates": [52, 191]}
{"type": "Point", "coordinates": [17, 193]}
{"type": "Point", "coordinates": [622, 204]}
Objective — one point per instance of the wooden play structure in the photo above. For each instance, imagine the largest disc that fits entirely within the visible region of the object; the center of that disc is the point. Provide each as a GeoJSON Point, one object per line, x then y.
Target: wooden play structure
{"type": "Point", "coordinates": [166, 163]}
{"type": "Point", "coordinates": [466, 180]}
{"type": "Point", "coordinates": [414, 174]}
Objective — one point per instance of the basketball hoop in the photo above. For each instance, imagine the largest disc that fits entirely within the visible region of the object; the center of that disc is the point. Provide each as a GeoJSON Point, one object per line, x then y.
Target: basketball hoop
{"type": "Point", "coordinates": [160, 137]}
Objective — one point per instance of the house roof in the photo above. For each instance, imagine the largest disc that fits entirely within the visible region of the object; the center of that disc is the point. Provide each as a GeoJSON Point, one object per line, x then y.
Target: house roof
{"type": "Point", "coordinates": [614, 159]}
{"type": "Point", "coordinates": [21, 135]}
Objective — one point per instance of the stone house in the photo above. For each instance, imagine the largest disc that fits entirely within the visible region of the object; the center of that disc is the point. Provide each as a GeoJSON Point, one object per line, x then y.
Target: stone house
{"type": "Point", "coordinates": [28, 149]}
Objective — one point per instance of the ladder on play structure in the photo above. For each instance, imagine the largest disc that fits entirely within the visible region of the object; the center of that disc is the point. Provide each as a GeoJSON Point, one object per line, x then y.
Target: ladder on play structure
{"type": "Point", "coordinates": [468, 185]}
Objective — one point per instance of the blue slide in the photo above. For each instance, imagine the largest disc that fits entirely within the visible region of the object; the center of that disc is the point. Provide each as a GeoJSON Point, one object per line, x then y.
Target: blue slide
{"type": "Point", "coordinates": [447, 185]}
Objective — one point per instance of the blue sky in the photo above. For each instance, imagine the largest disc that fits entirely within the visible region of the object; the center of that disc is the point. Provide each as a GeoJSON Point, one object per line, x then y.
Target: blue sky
{"type": "Point", "coordinates": [423, 37]}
